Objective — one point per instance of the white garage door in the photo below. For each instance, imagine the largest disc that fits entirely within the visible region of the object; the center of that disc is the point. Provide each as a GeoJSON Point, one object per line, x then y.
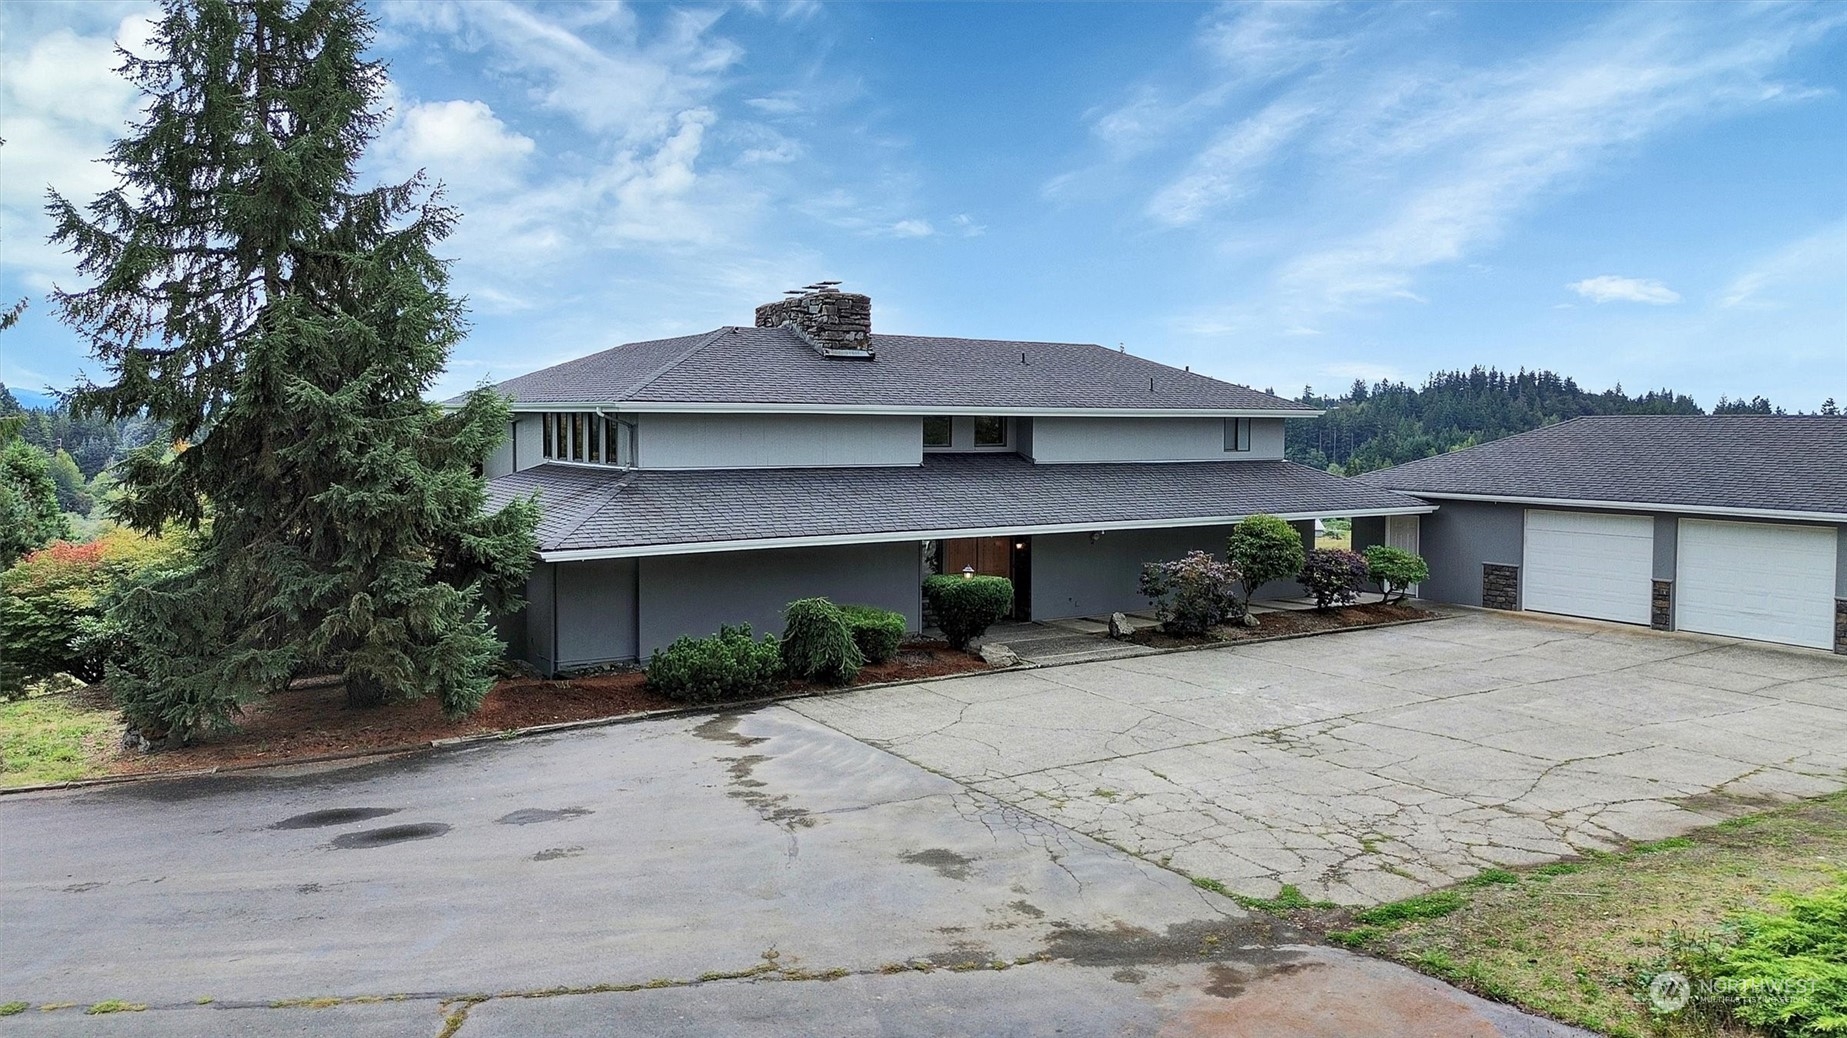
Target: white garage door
{"type": "Point", "coordinates": [1588, 564]}
{"type": "Point", "coordinates": [1756, 580]}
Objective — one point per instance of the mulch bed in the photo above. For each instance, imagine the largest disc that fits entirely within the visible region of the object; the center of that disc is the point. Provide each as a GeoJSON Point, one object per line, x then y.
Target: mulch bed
{"type": "Point", "coordinates": [1272, 625]}
{"type": "Point", "coordinates": [312, 719]}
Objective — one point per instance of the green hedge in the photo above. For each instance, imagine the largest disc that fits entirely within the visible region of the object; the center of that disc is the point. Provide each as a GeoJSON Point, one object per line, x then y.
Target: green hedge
{"type": "Point", "coordinates": [817, 644]}
{"type": "Point", "coordinates": [877, 632]}
{"type": "Point", "coordinates": [727, 665]}
{"type": "Point", "coordinates": [966, 607]}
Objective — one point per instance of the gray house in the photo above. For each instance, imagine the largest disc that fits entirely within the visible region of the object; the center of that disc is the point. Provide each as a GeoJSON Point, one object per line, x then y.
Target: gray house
{"type": "Point", "coordinates": [711, 479]}
{"type": "Point", "coordinates": [1733, 525]}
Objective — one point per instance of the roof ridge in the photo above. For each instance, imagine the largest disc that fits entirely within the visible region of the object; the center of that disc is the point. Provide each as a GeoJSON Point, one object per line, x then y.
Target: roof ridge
{"type": "Point", "coordinates": [675, 362]}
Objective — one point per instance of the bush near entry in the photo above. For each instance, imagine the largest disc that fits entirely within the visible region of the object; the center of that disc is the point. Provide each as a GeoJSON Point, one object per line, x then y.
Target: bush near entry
{"type": "Point", "coordinates": [1395, 570]}
{"type": "Point", "coordinates": [1334, 577]}
{"type": "Point", "coordinates": [877, 632]}
{"type": "Point", "coordinates": [1264, 548]}
{"type": "Point", "coordinates": [1784, 972]}
{"type": "Point", "coordinates": [966, 607]}
{"type": "Point", "coordinates": [1192, 594]}
{"type": "Point", "coordinates": [727, 665]}
{"type": "Point", "coordinates": [818, 644]}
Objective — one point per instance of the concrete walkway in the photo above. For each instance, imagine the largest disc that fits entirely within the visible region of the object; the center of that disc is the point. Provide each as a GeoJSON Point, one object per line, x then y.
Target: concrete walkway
{"type": "Point", "coordinates": [738, 875]}
{"type": "Point", "coordinates": [1371, 765]}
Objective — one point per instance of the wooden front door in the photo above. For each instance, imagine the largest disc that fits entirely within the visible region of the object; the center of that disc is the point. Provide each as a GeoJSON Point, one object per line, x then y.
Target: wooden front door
{"type": "Point", "coordinates": [990, 556]}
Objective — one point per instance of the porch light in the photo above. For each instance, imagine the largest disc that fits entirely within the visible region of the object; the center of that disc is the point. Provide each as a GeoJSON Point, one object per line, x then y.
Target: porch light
{"type": "Point", "coordinates": [1019, 544]}
{"type": "Point", "coordinates": [968, 573]}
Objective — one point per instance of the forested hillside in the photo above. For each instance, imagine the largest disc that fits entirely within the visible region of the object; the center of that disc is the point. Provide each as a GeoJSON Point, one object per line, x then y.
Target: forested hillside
{"type": "Point", "coordinates": [92, 443]}
{"type": "Point", "coordinates": [1387, 423]}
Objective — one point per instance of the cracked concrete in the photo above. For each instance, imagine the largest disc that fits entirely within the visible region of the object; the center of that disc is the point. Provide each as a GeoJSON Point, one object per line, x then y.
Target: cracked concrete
{"type": "Point", "coordinates": [1371, 765]}
{"type": "Point", "coordinates": [746, 874]}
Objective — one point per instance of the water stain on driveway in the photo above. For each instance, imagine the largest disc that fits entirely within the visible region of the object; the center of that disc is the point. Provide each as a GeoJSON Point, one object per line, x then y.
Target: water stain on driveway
{"type": "Point", "coordinates": [390, 834]}
{"type": "Point", "coordinates": [947, 863]}
{"type": "Point", "coordinates": [529, 815]}
{"type": "Point", "coordinates": [335, 816]}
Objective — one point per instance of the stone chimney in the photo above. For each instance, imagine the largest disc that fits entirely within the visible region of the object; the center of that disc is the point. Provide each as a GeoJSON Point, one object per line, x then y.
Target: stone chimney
{"type": "Point", "coordinates": [839, 324]}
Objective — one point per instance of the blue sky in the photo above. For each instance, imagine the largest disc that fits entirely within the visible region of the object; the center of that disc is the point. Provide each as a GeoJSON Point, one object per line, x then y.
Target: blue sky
{"type": "Point", "coordinates": [1278, 195]}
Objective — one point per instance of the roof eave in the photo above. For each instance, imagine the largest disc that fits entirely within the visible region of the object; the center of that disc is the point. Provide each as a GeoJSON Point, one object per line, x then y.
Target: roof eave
{"type": "Point", "coordinates": [725, 407]}
{"type": "Point", "coordinates": [1628, 506]}
{"type": "Point", "coordinates": [828, 540]}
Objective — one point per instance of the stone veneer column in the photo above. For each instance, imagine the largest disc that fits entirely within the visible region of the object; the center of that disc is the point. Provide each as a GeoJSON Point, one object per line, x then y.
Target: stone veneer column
{"type": "Point", "coordinates": [1661, 605]}
{"type": "Point", "coordinates": [1500, 586]}
{"type": "Point", "coordinates": [1840, 626]}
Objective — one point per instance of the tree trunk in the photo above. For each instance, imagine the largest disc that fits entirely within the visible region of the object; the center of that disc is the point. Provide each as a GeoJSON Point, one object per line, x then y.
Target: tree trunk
{"type": "Point", "coordinates": [364, 690]}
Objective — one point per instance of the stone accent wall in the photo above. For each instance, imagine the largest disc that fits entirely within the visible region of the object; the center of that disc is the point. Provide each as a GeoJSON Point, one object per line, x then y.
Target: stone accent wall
{"type": "Point", "coordinates": [1661, 605]}
{"type": "Point", "coordinates": [1840, 626]}
{"type": "Point", "coordinates": [1500, 586]}
{"type": "Point", "coordinates": [827, 317]}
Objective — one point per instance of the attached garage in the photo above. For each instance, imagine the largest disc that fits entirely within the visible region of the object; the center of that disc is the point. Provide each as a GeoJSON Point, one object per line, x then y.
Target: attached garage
{"type": "Point", "coordinates": [1769, 581]}
{"type": "Point", "coordinates": [1588, 564]}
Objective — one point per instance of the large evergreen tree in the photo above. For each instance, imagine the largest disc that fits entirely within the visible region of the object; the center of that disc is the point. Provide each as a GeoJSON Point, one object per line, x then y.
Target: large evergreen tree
{"type": "Point", "coordinates": [284, 324]}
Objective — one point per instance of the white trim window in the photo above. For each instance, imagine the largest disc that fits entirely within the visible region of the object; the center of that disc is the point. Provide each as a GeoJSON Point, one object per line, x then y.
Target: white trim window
{"type": "Point", "coordinates": [588, 438]}
{"type": "Point", "coordinates": [1238, 434]}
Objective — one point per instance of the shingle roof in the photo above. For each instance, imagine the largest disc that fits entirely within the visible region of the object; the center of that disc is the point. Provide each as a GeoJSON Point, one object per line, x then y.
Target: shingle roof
{"type": "Point", "coordinates": [1772, 463]}
{"type": "Point", "coordinates": [773, 366]}
{"type": "Point", "coordinates": [587, 508]}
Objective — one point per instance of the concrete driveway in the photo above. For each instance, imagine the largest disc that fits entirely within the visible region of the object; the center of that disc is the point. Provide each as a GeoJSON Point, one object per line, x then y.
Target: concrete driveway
{"type": "Point", "coordinates": [739, 875]}
{"type": "Point", "coordinates": [1372, 765]}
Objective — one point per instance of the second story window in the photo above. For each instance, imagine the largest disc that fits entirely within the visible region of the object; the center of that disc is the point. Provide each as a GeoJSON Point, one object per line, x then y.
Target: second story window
{"type": "Point", "coordinates": [1237, 434]}
{"type": "Point", "coordinates": [937, 431]}
{"type": "Point", "coordinates": [990, 431]}
{"type": "Point", "coordinates": [587, 437]}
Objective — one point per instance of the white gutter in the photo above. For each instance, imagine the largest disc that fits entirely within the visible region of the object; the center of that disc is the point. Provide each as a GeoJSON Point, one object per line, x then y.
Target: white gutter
{"type": "Point", "coordinates": [918, 410]}
{"type": "Point", "coordinates": [827, 540]}
{"type": "Point", "coordinates": [1633, 506]}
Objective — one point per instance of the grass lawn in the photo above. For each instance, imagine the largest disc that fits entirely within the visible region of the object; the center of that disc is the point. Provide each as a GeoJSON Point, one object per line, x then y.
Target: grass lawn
{"type": "Point", "coordinates": [56, 737]}
{"type": "Point", "coordinates": [1581, 940]}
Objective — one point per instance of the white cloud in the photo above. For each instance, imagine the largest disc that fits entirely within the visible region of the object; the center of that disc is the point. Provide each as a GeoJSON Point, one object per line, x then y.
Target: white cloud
{"type": "Point", "coordinates": [912, 229]}
{"type": "Point", "coordinates": [1227, 170]}
{"type": "Point", "coordinates": [1610, 288]}
{"type": "Point", "coordinates": [463, 143]}
{"type": "Point", "coordinates": [1817, 260]}
{"type": "Point", "coordinates": [966, 226]}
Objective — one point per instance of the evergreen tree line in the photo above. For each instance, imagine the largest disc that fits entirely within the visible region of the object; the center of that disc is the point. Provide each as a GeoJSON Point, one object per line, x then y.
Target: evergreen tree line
{"type": "Point", "coordinates": [76, 450]}
{"type": "Point", "coordinates": [1388, 423]}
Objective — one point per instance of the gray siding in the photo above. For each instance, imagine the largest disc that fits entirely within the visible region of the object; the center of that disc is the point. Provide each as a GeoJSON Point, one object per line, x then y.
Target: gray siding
{"type": "Point", "coordinates": [694, 594]}
{"type": "Point", "coordinates": [1074, 576]}
{"type": "Point", "coordinates": [596, 614]}
{"type": "Point", "coordinates": [1456, 540]}
{"type": "Point", "coordinates": [1056, 440]}
{"type": "Point", "coordinates": [500, 462]}
{"type": "Point", "coordinates": [528, 442]}
{"type": "Point", "coordinates": [700, 441]}
{"type": "Point", "coordinates": [541, 631]}
{"type": "Point", "coordinates": [1840, 562]}
{"type": "Point", "coordinates": [1667, 546]}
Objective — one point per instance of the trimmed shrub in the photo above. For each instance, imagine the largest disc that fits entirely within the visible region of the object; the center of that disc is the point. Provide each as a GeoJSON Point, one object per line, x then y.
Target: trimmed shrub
{"type": "Point", "coordinates": [817, 644]}
{"type": "Point", "coordinates": [1395, 570]}
{"type": "Point", "coordinates": [966, 607]}
{"type": "Point", "coordinates": [1334, 577]}
{"type": "Point", "coordinates": [1264, 548]}
{"type": "Point", "coordinates": [725, 666]}
{"type": "Point", "coordinates": [54, 605]}
{"type": "Point", "coordinates": [877, 632]}
{"type": "Point", "coordinates": [1192, 594]}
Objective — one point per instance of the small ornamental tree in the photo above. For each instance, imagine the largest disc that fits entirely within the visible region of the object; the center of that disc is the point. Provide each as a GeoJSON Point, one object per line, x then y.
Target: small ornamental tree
{"type": "Point", "coordinates": [1334, 577]}
{"type": "Point", "coordinates": [817, 643]}
{"type": "Point", "coordinates": [1192, 594]}
{"type": "Point", "coordinates": [1264, 548]}
{"type": "Point", "coordinates": [966, 607]}
{"type": "Point", "coordinates": [1395, 570]}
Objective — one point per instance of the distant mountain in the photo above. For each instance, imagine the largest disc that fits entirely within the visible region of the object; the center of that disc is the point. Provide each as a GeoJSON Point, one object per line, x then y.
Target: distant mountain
{"type": "Point", "coordinates": [30, 400]}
